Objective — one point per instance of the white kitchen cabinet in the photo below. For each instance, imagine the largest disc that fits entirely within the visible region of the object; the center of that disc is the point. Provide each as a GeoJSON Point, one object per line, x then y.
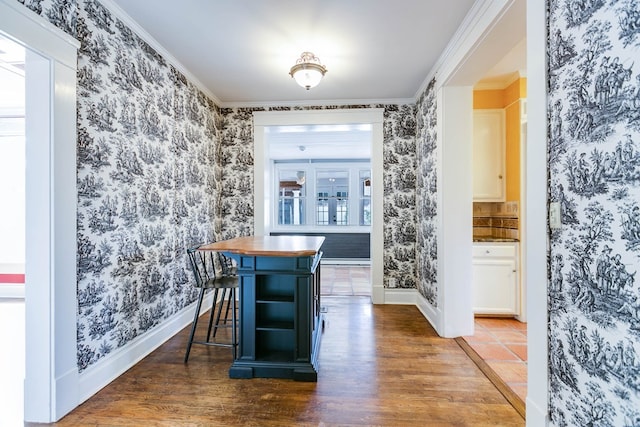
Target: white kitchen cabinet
{"type": "Point", "coordinates": [489, 155]}
{"type": "Point", "coordinates": [495, 278]}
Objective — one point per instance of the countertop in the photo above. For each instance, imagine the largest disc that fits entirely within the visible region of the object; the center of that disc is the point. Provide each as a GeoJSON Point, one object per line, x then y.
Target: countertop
{"type": "Point", "coordinates": [494, 240]}
{"type": "Point", "coordinates": [286, 246]}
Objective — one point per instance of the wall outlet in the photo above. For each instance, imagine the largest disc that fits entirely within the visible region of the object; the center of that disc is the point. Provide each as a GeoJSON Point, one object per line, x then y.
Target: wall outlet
{"type": "Point", "coordinates": [555, 219]}
{"type": "Point", "coordinates": [392, 282]}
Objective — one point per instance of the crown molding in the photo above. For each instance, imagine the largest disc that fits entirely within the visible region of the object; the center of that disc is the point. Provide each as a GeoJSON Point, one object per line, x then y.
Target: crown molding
{"type": "Point", "coordinates": [468, 24]}
{"type": "Point", "coordinates": [317, 103]}
{"type": "Point", "coordinates": [471, 31]}
{"type": "Point", "coordinates": [135, 27]}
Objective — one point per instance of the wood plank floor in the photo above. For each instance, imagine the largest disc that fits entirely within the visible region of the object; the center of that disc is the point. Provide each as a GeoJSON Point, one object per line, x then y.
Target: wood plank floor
{"type": "Point", "coordinates": [380, 365]}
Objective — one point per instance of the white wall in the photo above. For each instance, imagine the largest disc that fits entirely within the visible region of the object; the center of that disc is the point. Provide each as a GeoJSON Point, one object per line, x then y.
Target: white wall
{"type": "Point", "coordinates": [455, 123]}
{"type": "Point", "coordinates": [12, 167]}
{"type": "Point", "coordinates": [536, 216]}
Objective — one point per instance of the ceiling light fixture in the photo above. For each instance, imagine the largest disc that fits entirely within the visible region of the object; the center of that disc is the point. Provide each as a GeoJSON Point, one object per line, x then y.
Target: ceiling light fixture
{"type": "Point", "coordinates": [308, 70]}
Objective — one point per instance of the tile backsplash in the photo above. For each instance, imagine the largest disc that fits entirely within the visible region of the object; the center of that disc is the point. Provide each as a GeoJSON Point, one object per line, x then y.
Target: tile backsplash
{"type": "Point", "coordinates": [496, 219]}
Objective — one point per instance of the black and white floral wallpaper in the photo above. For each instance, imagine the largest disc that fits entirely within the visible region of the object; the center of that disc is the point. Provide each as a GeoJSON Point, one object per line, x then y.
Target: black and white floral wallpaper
{"type": "Point", "coordinates": [594, 160]}
{"type": "Point", "coordinates": [426, 195]}
{"type": "Point", "coordinates": [161, 168]}
{"type": "Point", "coordinates": [399, 161]}
{"type": "Point", "coordinates": [61, 13]}
{"type": "Point", "coordinates": [148, 179]}
{"type": "Point", "coordinates": [399, 182]}
{"type": "Point", "coordinates": [237, 172]}
{"type": "Point", "coordinates": [147, 184]}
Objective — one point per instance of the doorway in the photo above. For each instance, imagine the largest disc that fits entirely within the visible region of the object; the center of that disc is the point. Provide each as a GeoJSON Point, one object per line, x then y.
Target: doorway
{"type": "Point", "coordinates": [264, 199]}
{"type": "Point", "coordinates": [506, 24]}
{"type": "Point", "coordinates": [12, 167]}
{"type": "Point", "coordinates": [50, 378]}
{"type": "Point", "coordinates": [342, 280]}
{"type": "Point", "coordinates": [12, 230]}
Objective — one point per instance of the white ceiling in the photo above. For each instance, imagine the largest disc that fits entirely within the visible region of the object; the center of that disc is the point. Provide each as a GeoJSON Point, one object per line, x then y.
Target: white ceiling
{"type": "Point", "coordinates": [509, 68]}
{"type": "Point", "coordinates": [241, 50]}
{"type": "Point", "coordinates": [319, 142]}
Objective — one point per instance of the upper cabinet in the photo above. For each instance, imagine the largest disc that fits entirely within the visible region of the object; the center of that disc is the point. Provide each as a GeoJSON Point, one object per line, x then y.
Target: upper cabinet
{"type": "Point", "coordinates": [489, 155]}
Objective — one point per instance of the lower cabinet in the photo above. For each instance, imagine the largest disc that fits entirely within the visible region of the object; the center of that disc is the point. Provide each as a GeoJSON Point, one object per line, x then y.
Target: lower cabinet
{"type": "Point", "coordinates": [281, 321]}
{"type": "Point", "coordinates": [495, 278]}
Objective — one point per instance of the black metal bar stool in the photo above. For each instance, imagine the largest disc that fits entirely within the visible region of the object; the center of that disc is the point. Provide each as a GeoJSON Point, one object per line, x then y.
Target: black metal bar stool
{"type": "Point", "coordinates": [213, 270]}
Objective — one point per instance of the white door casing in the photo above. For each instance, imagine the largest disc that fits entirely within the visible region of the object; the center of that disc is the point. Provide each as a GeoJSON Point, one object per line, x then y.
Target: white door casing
{"type": "Point", "coordinates": [51, 373]}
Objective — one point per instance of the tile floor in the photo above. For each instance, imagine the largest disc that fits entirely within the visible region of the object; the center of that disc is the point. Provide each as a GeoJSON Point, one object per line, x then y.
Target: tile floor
{"type": "Point", "coordinates": [502, 343]}
{"type": "Point", "coordinates": [345, 280]}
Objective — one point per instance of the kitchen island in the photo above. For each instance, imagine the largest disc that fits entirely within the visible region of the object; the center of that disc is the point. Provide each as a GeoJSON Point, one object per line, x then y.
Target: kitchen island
{"type": "Point", "coordinates": [279, 299]}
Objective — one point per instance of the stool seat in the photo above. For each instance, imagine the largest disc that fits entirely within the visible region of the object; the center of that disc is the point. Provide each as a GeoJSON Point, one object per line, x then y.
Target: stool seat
{"type": "Point", "coordinates": [214, 271]}
{"type": "Point", "coordinates": [227, 282]}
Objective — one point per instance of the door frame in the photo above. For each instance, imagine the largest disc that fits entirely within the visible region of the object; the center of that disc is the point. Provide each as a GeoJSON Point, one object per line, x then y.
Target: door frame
{"type": "Point", "coordinates": [51, 373]}
{"type": "Point", "coordinates": [475, 51]}
{"type": "Point", "coordinates": [262, 178]}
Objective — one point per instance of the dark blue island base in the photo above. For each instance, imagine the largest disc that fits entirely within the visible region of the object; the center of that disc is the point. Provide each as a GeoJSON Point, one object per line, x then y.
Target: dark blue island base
{"type": "Point", "coordinates": [280, 315]}
{"type": "Point", "coordinates": [279, 367]}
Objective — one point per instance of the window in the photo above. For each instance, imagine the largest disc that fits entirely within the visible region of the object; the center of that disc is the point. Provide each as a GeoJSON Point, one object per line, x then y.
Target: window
{"type": "Point", "coordinates": [318, 194]}
{"type": "Point", "coordinates": [365, 197]}
{"type": "Point", "coordinates": [332, 204]}
{"type": "Point", "coordinates": [291, 197]}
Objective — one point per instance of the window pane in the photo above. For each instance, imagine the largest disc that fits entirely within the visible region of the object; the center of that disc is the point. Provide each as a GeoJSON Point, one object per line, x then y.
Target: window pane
{"type": "Point", "coordinates": [291, 197]}
{"type": "Point", "coordinates": [365, 212]}
{"type": "Point", "coordinates": [342, 212]}
{"type": "Point", "coordinates": [322, 209]}
{"type": "Point", "coordinates": [365, 197]}
{"type": "Point", "coordinates": [332, 202]}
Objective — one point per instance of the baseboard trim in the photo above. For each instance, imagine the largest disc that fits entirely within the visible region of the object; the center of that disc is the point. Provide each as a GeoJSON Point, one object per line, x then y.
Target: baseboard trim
{"type": "Point", "coordinates": [535, 415]}
{"type": "Point", "coordinates": [400, 296]}
{"type": "Point", "coordinates": [66, 393]}
{"type": "Point", "coordinates": [11, 291]}
{"type": "Point", "coordinates": [429, 312]}
{"type": "Point", "coordinates": [119, 361]}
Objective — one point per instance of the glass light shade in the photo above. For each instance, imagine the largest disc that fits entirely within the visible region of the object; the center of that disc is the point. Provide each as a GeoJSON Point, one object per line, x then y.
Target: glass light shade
{"type": "Point", "coordinates": [308, 71]}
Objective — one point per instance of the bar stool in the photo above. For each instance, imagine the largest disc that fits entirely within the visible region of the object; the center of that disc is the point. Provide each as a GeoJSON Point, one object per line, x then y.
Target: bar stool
{"type": "Point", "coordinates": [214, 270]}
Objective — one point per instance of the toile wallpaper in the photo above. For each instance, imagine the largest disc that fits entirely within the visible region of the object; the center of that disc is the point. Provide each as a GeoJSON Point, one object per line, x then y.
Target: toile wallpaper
{"type": "Point", "coordinates": [237, 172]}
{"type": "Point", "coordinates": [594, 160]}
{"type": "Point", "coordinates": [399, 162]}
{"type": "Point", "coordinates": [426, 195]}
{"type": "Point", "coordinates": [399, 182]}
{"type": "Point", "coordinates": [147, 188]}
{"type": "Point", "coordinates": [61, 13]}
{"type": "Point", "coordinates": [160, 168]}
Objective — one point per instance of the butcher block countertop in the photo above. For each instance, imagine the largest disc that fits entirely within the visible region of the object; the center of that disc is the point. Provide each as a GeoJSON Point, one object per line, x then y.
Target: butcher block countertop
{"type": "Point", "coordinates": [286, 246]}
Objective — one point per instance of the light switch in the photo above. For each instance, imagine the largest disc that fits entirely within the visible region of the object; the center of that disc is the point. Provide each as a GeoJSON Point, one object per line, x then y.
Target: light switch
{"type": "Point", "coordinates": [555, 220]}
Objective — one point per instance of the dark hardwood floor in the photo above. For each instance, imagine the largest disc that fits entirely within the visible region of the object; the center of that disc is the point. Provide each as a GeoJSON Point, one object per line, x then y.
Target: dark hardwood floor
{"type": "Point", "coordinates": [380, 365]}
